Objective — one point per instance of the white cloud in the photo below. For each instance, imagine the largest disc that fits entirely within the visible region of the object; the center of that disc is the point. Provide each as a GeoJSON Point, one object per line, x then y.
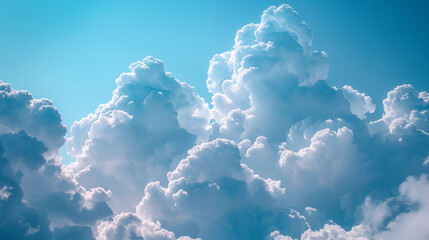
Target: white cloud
{"type": "Point", "coordinates": [268, 81]}
{"type": "Point", "coordinates": [378, 223]}
{"type": "Point", "coordinates": [139, 135]}
{"type": "Point", "coordinates": [37, 117]}
{"type": "Point", "coordinates": [335, 232]}
{"type": "Point", "coordinates": [5, 192]}
{"type": "Point", "coordinates": [360, 104]}
{"type": "Point", "coordinates": [411, 224]}
{"type": "Point", "coordinates": [287, 156]}
{"type": "Point", "coordinates": [406, 110]}
{"type": "Point", "coordinates": [36, 192]}
{"type": "Point", "coordinates": [130, 226]}
{"type": "Point", "coordinates": [279, 120]}
{"type": "Point", "coordinates": [212, 195]}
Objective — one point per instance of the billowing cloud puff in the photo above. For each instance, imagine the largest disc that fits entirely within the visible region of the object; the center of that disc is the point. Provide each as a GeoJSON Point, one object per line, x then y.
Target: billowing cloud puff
{"type": "Point", "coordinates": [279, 119]}
{"type": "Point", "coordinates": [36, 194]}
{"type": "Point", "coordinates": [405, 111]}
{"type": "Point", "coordinates": [37, 117]}
{"type": "Point", "coordinates": [339, 163]}
{"type": "Point", "coordinates": [414, 192]}
{"type": "Point", "coordinates": [329, 232]}
{"type": "Point", "coordinates": [138, 136]}
{"type": "Point", "coordinates": [18, 221]}
{"type": "Point", "coordinates": [131, 226]}
{"type": "Point", "coordinates": [295, 128]}
{"type": "Point", "coordinates": [360, 104]}
{"type": "Point", "coordinates": [212, 195]}
{"type": "Point", "coordinates": [322, 167]}
{"type": "Point", "coordinates": [26, 215]}
{"type": "Point", "coordinates": [390, 221]}
{"type": "Point", "coordinates": [272, 64]}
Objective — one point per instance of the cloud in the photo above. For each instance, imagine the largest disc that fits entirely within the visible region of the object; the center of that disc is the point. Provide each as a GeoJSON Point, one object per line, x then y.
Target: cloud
{"type": "Point", "coordinates": [5, 192]}
{"type": "Point", "coordinates": [151, 121]}
{"type": "Point", "coordinates": [406, 223]}
{"type": "Point", "coordinates": [212, 195]}
{"type": "Point", "coordinates": [17, 220]}
{"type": "Point", "coordinates": [271, 64]}
{"type": "Point", "coordinates": [280, 155]}
{"type": "Point", "coordinates": [73, 233]}
{"type": "Point", "coordinates": [295, 128]}
{"type": "Point", "coordinates": [131, 226]}
{"type": "Point", "coordinates": [37, 117]}
{"type": "Point", "coordinates": [32, 177]}
{"type": "Point", "coordinates": [338, 163]}
{"type": "Point", "coordinates": [360, 104]}
{"type": "Point", "coordinates": [410, 224]}
{"type": "Point", "coordinates": [283, 144]}
{"type": "Point", "coordinates": [333, 231]}
{"type": "Point", "coordinates": [46, 186]}
{"type": "Point", "coordinates": [405, 111]}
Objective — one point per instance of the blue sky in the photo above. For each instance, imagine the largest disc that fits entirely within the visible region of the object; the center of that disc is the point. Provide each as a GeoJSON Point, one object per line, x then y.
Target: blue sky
{"type": "Point", "coordinates": [71, 51]}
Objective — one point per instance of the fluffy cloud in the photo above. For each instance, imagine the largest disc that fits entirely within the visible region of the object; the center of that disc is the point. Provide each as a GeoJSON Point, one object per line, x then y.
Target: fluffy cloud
{"type": "Point", "coordinates": [36, 193]}
{"type": "Point", "coordinates": [272, 64]}
{"type": "Point", "coordinates": [151, 121]}
{"type": "Point", "coordinates": [17, 220]}
{"type": "Point", "coordinates": [131, 226]}
{"type": "Point", "coordinates": [212, 195]}
{"type": "Point", "coordinates": [360, 104]}
{"type": "Point", "coordinates": [410, 224]}
{"type": "Point", "coordinates": [269, 95]}
{"type": "Point", "coordinates": [390, 219]}
{"type": "Point", "coordinates": [339, 163]}
{"type": "Point", "coordinates": [406, 110]}
{"type": "Point", "coordinates": [282, 122]}
{"type": "Point", "coordinates": [37, 117]}
{"type": "Point", "coordinates": [329, 232]}
{"type": "Point", "coordinates": [280, 155]}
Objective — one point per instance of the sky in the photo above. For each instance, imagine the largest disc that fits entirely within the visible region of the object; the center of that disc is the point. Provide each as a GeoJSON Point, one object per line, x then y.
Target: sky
{"type": "Point", "coordinates": [168, 120]}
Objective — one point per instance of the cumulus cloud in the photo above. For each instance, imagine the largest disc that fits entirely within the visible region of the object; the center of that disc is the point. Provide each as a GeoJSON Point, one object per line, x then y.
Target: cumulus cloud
{"type": "Point", "coordinates": [139, 135]}
{"type": "Point", "coordinates": [280, 155]}
{"type": "Point", "coordinates": [131, 226]}
{"type": "Point", "coordinates": [292, 148]}
{"type": "Point", "coordinates": [360, 104]}
{"type": "Point", "coordinates": [212, 195]}
{"type": "Point", "coordinates": [390, 221]}
{"type": "Point", "coordinates": [406, 110]}
{"type": "Point", "coordinates": [412, 223]}
{"type": "Point", "coordinates": [37, 117]}
{"type": "Point", "coordinates": [295, 128]}
{"type": "Point", "coordinates": [32, 177]}
{"type": "Point", "coordinates": [271, 64]}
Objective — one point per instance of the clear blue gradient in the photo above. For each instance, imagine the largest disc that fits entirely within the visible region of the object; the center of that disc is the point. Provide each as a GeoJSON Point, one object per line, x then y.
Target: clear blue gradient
{"type": "Point", "coordinates": [71, 51]}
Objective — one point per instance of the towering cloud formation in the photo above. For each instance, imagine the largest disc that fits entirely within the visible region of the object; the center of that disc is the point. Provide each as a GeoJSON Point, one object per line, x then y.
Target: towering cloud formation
{"type": "Point", "coordinates": [299, 151]}
{"type": "Point", "coordinates": [280, 155]}
{"type": "Point", "coordinates": [272, 64]}
{"type": "Point", "coordinates": [138, 136]}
